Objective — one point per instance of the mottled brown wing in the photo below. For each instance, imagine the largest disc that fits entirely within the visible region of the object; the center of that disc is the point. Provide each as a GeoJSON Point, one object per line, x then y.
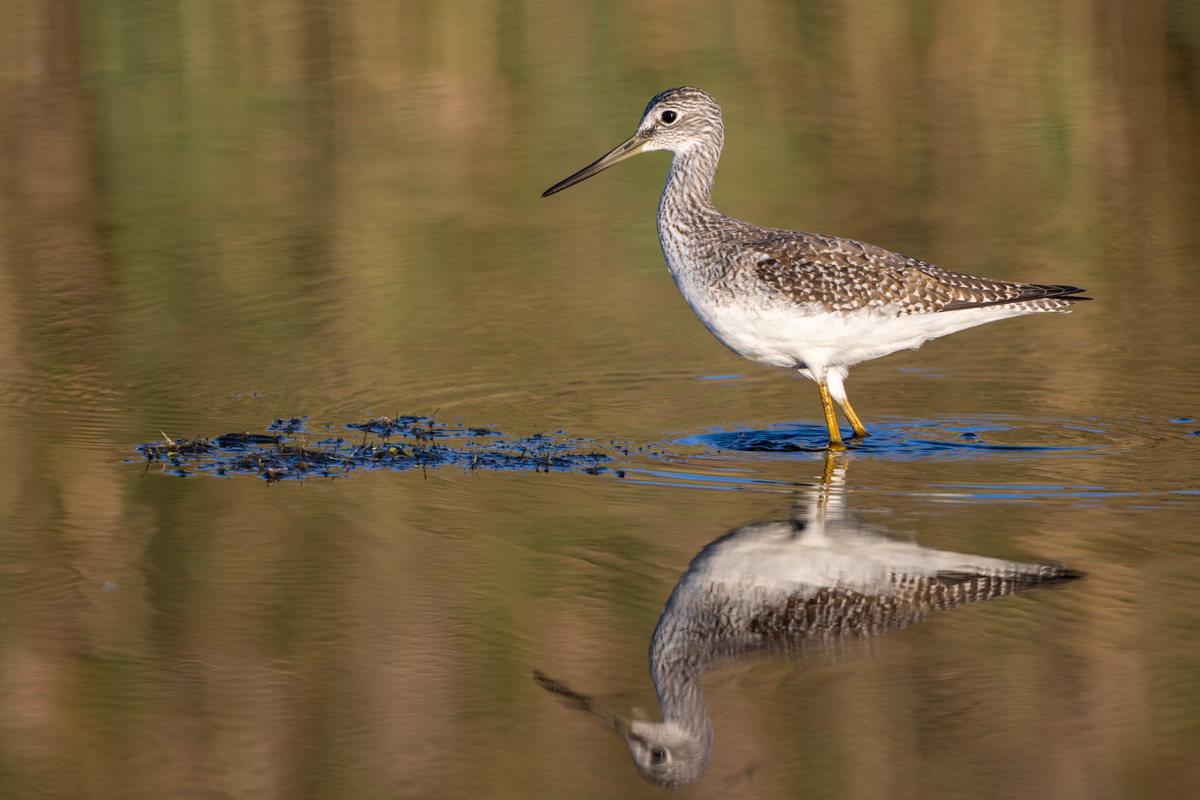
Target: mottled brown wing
{"type": "Point", "coordinates": [980, 292]}
{"type": "Point", "coordinates": [845, 275]}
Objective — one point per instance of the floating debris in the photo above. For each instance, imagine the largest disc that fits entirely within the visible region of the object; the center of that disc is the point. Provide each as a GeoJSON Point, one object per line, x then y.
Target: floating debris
{"type": "Point", "coordinates": [287, 452]}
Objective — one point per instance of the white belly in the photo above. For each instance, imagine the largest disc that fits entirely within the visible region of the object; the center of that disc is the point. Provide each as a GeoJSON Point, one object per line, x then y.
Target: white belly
{"type": "Point", "coordinates": [807, 337]}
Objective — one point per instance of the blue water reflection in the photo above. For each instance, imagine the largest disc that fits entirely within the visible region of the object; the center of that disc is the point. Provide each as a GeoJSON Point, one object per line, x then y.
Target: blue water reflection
{"type": "Point", "coordinates": [979, 437]}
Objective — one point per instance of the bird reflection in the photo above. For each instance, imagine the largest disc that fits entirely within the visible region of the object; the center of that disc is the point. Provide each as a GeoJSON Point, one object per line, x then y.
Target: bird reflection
{"type": "Point", "coordinates": [775, 587]}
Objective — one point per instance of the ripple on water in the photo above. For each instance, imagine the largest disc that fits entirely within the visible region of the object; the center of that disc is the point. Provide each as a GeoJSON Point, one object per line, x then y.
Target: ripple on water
{"type": "Point", "coordinates": [755, 459]}
{"type": "Point", "coordinates": [954, 438]}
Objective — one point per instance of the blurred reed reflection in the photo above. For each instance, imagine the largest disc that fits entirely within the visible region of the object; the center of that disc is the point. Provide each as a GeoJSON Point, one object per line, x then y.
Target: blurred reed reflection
{"type": "Point", "coordinates": [215, 214]}
{"type": "Point", "coordinates": [774, 588]}
{"type": "Point", "coordinates": [224, 187]}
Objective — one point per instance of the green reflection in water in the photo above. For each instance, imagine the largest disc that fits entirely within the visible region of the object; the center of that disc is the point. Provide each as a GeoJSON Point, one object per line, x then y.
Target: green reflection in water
{"type": "Point", "coordinates": [215, 215]}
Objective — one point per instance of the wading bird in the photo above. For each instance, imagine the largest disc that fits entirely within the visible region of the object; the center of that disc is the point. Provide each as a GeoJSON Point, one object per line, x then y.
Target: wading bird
{"type": "Point", "coordinates": [818, 304]}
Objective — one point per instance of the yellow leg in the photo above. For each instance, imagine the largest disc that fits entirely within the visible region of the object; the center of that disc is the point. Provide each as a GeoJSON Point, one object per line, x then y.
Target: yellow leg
{"type": "Point", "coordinates": [859, 430]}
{"type": "Point", "coordinates": [835, 438]}
{"type": "Point", "coordinates": [835, 461]}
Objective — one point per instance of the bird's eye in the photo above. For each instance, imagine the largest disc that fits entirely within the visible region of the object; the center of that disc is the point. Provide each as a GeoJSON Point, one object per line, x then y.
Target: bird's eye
{"type": "Point", "coordinates": [658, 755]}
{"type": "Point", "coordinates": [668, 117]}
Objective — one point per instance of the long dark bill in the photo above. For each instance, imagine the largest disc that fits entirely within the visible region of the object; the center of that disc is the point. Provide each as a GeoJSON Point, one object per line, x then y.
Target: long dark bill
{"type": "Point", "coordinates": [630, 147]}
{"type": "Point", "coordinates": [614, 722]}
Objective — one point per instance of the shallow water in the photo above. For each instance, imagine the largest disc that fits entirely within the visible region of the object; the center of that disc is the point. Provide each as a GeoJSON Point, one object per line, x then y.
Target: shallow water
{"type": "Point", "coordinates": [212, 220]}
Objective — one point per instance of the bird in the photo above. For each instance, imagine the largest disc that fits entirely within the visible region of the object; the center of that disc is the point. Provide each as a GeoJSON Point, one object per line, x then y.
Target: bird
{"type": "Point", "coordinates": [817, 577]}
{"type": "Point", "coordinates": [818, 304]}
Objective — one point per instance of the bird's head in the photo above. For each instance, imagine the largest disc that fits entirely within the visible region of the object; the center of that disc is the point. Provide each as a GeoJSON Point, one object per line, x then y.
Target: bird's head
{"type": "Point", "coordinates": [667, 754]}
{"type": "Point", "coordinates": [680, 120]}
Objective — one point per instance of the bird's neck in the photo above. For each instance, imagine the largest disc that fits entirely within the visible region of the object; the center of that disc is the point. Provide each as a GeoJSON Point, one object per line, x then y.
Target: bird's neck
{"type": "Point", "coordinates": [687, 198]}
{"type": "Point", "coordinates": [680, 696]}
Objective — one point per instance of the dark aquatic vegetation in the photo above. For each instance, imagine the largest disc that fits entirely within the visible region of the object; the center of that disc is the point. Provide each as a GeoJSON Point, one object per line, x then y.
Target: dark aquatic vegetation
{"type": "Point", "coordinates": [402, 443]}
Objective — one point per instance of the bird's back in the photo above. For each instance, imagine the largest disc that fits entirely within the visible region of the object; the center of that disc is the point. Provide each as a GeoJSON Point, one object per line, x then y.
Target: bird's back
{"type": "Point", "coordinates": [844, 275]}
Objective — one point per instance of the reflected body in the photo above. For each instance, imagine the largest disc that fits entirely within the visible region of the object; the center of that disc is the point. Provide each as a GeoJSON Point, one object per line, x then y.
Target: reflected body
{"type": "Point", "coordinates": [772, 588]}
{"type": "Point", "coordinates": [818, 304]}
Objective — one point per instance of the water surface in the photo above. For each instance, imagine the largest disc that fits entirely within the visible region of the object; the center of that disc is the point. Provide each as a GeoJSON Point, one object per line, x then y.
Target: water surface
{"type": "Point", "coordinates": [213, 218]}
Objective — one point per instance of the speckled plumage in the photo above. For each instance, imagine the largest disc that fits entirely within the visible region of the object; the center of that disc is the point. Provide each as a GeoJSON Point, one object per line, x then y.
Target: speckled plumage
{"type": "Point", "coordinates": [775, 588]}
{"type": "Point", "coordinates": [819, 304]}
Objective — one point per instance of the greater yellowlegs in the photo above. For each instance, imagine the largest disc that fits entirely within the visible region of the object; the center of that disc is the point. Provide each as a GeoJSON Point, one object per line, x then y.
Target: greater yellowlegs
{"type": "Point", "coordinates": [815, 303]}
{"type": "Point", "coordinates": [776, 587]}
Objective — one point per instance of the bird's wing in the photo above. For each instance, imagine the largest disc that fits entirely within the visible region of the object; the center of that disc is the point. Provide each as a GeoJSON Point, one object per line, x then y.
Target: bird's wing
{"type": "Point", "coordinates": [845, 275]}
